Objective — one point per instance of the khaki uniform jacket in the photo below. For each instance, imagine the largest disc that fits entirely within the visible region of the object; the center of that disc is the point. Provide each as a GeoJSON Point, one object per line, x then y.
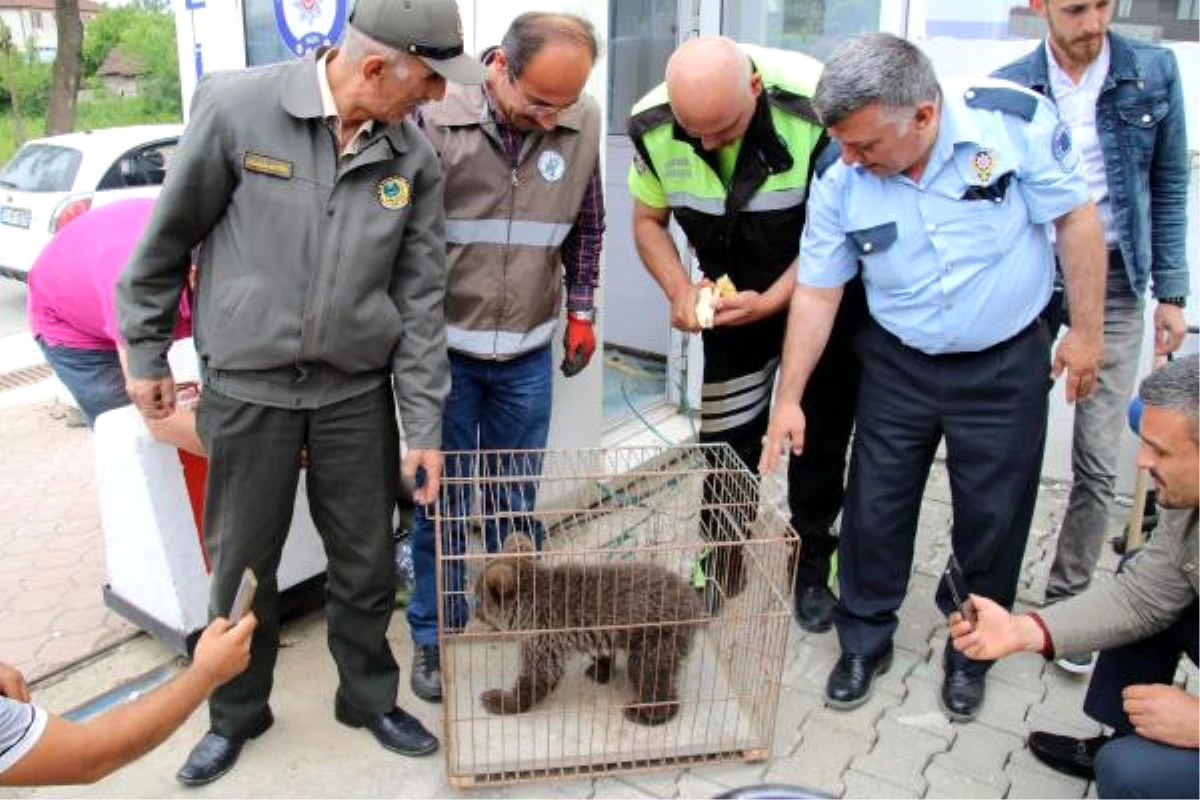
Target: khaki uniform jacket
{"type": "Point", "coordinates": [1155, 588]}
{"type": "Point", "coordinates": [319, 276]}
{"type": "Point", "coordinates": [505, 223]}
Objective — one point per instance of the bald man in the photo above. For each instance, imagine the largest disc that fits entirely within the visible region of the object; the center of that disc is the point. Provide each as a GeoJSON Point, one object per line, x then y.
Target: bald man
{"type": "Point", "coordinates": [728, 145]}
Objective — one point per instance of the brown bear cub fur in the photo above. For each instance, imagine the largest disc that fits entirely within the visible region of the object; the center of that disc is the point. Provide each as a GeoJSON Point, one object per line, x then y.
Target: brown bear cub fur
{"type": "Point", "coordinates": [597, 609]}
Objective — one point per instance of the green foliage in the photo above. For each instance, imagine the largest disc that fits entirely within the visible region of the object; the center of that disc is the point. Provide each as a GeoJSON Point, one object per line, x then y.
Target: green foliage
{"type": "Point", "coordinates": [100, 110]}
{"type": "Point", "coordinates": [144, 34]}
{"type": "Point", "coordinates": [144, 30]}
{"type": "Point", "coordinates": [22, 72]}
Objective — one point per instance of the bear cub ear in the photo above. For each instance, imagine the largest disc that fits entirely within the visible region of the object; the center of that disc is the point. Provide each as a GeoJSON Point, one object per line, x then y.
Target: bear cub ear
{"type": "Point", "coordinates": [518, 543]}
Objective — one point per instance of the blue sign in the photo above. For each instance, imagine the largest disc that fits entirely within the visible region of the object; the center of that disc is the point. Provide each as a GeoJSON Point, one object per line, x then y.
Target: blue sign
{"type": "Point", "coordinates": [305, 25]}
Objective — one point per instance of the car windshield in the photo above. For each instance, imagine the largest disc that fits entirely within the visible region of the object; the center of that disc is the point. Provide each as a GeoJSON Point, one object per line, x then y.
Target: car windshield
{"type": "Point", "coordinates": [41, 168]}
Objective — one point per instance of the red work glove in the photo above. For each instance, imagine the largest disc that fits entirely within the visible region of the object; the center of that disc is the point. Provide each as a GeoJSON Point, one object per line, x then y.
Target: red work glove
{"type": "Point", "coordinates": [580, 341]}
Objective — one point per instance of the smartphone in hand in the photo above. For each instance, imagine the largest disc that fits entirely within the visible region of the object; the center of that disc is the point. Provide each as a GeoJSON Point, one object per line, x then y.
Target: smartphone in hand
{"type": "Point", "coordinates": [956, 585]}
{"type": "Point", "coordinates": [244, 597]}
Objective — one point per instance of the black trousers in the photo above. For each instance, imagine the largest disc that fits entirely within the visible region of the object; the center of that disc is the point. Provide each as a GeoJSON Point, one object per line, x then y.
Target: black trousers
{"type": "Point", "coordinates": [1132, 766]}
{"type": "Point", "coordinates": [990, 407]}
{"type": "Point", "coordinates": [739, 374]}
{"type": "Point", "coordinates": [353, 478]}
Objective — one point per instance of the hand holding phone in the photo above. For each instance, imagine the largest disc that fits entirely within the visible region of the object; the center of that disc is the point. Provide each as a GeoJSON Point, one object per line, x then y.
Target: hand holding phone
{"type": "Point", "coordinates": [956, 584]}
{"type": "Point", "coordinates": [244, 597]}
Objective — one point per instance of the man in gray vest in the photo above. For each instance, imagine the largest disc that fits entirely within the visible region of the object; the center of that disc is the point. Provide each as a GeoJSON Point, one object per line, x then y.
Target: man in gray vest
{"type": "Point", "coordinates": [524, 214]}
{"type": "Point", "coordinates": [317, 208]}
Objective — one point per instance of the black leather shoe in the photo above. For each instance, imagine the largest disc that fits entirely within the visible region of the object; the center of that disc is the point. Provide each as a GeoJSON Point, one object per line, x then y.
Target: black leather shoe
{"type": "Point", "coordinates": [813, 607]}
{"type": "Point", "coordinates": [215, 755]}
{"type": "Point", "coordinates": [426, 674]}
{"type": "Point", "coordinates": [962, 693]}
{"type": "Point", "coordinates": [849, 684]}
{"type": "Point", "coordinates": [1067, 754]}
{"type": "Point", "coordinates": [396, 730]}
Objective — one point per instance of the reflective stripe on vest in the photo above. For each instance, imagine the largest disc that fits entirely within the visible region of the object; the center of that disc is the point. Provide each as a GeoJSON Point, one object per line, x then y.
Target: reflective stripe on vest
{"type": "Point", "coordinates": [499, 344]}
{"type": "Point", "coordinates": [503, 231]}
{"type": "Point", "coordinates": [742, 399]}
{"type": "Point", "coordinates": [777, 200]}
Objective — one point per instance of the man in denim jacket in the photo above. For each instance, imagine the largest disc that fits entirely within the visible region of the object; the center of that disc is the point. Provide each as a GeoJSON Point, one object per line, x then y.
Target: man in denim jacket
{"type": "Point", "coordinates": [1124, 104]}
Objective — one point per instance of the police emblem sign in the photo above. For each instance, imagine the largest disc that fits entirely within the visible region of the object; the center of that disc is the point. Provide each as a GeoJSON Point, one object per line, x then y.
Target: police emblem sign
{"type": "Point", "coordinates": [305, 25]}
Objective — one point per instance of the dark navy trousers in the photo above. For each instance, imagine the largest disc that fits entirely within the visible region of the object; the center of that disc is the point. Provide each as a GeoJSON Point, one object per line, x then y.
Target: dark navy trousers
{"type": "Point", "coordinates": [1131, 766]}
{"type": "Point", "coordinates": [990, 408]}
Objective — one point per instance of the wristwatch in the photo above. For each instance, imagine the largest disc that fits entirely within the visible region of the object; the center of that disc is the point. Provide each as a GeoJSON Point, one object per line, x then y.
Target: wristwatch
{"type": "Point", "coordinates": [1178, 300]}
{"type": "Point", "coordinates": [582, 314]}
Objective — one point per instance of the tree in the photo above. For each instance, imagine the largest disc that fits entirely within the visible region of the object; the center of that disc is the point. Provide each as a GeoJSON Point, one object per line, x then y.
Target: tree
{"type": "Point", "coordinates": [68, 67]}
{"type": "Point", "coordinates": [8, 54]}
{"type": "Point", "coordinates": [144, 35]}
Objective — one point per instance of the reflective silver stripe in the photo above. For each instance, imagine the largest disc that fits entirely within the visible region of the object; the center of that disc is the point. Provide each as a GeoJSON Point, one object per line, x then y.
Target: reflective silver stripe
{"type": "Point", "coordinates": [705, 205]}
{"type": "Point", "coordinates": [737, 401]}
{"type": "Point", "coordinates": [777, 201]}
{"type": "Point", "coordinates": [503, 231]}
{"type": "Point", "coordinates": [490, 344]}
{"type": "Point", "coordinates": [725, 423]}
{"type": "Point", "coordinates": [739, 384]}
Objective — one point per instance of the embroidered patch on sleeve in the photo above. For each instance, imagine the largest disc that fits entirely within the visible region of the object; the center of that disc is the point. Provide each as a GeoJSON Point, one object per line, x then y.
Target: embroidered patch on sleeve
{"type": "Point", "coordinates": [1062, 148]}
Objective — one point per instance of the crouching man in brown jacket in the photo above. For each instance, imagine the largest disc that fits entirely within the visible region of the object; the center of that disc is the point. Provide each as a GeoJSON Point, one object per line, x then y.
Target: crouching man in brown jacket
{"type": "Point", "coordinates": [1142, 620]}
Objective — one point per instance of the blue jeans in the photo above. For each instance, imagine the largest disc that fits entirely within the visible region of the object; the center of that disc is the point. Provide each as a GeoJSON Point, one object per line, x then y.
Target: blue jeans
{"type": "Point", "coordinates": [493, 405]}
{"type": "Point", "coordinates": [93, 377]}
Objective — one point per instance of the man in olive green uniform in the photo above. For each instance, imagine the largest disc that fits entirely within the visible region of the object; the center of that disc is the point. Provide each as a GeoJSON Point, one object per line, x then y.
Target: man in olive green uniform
{"type": "Point", "coordinates": [321, 284]}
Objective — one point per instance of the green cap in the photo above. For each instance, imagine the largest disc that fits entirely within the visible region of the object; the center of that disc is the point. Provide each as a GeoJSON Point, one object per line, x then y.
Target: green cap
{"type": "Point", "coordinates": [428, 29]}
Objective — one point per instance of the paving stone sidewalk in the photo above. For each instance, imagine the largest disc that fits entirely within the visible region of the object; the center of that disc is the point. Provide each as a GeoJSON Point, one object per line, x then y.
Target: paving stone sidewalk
{"type": "Point", "coordinates": [51, 547]}
{"type": "Point", "coordinates": [899, 744]}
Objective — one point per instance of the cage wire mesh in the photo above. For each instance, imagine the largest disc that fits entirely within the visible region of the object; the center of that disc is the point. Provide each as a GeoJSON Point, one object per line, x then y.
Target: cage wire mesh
{"type": "Point", "coordinates": [647, 632]}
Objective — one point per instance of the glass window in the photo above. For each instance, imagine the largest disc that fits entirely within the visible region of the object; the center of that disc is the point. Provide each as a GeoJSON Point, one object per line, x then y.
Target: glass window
{"type": "Point", "coordinates": [641, 37]}
{"type": "Point", "coordinates": [811, 26]}
{"type": "Point", "coordinates": [998, 20]}
{"type": "Point", "coordinates": [42, 168]}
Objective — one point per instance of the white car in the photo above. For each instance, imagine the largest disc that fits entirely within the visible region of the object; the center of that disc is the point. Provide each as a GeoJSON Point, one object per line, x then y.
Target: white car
{"type": "Point", "coordinates": [51, 181]}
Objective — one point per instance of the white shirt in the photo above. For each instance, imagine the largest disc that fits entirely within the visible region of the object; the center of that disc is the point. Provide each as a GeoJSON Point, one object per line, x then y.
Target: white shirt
{"type": "Point", "coordinates": [21, 726]}
{"type": "Point", "coordinates": [329, 108]}
{"type": "Point", "coordinates": [1077, 108]}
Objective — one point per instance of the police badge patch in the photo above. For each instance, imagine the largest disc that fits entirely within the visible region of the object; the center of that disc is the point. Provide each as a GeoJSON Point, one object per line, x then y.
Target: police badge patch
{"type": "Point", "coordinates": [305, 25]}
{"type": "Point", "coordinates": [639, 164]}
{"type": "Point", "coordinates": [982, 163]}
{"type": "Point", "coordinates": [1061, 148]}
{"type": "Point", "coordinates": [393, 192]}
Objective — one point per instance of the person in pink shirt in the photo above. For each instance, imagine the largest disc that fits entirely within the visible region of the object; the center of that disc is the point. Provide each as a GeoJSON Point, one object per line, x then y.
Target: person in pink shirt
{"type": "Point", "coordinates": [71, 308]}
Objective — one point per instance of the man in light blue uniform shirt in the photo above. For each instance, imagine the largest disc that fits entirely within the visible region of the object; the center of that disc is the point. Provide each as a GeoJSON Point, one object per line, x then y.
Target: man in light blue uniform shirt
{"type": "Point", "coordinates": [943, 198]}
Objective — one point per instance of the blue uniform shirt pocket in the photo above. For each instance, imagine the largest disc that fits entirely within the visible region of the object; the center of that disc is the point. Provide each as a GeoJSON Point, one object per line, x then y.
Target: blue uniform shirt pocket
{"type": "Point", "coordinates": [872, 241]}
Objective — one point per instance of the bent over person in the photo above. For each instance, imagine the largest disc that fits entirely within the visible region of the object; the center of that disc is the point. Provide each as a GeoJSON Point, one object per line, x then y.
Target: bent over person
{"type": "Point", "coordinates": [321, 282]}
{"type": "Point", "coordinates": [726, 147]}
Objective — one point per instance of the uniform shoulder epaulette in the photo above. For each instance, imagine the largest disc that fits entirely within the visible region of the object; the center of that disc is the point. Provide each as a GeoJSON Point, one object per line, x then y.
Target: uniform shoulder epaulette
{"type": "Point", "coordinates": [827, 156]}
{"type": "Point", "coordinates": [793, 103]}
{"type": "Point", "coordinates": [648, 119]}
{"type": "Point", "coordinates": [999, 98]}
{"type": "Point", "coordinates": [642, 123]}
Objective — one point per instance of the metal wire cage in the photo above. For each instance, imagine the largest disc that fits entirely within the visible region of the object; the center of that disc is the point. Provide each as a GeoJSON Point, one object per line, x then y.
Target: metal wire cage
{"type": "Point", "coordinates": [648, 631]}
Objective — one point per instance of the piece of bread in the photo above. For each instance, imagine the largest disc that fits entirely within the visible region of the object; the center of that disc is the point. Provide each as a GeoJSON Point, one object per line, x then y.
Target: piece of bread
{"type": "Point", "coordinates": [706, 306]}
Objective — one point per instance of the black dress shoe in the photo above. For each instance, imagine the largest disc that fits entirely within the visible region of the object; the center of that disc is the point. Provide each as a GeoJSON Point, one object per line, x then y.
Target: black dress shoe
{"type": "Point", "coordinates": [814, 607]}
{"type": "Point", "coordinates": [215, 755]}
{"type": "Point", "coordinates": [962, 693]}
{"type": "Point", "coordinates": [849, 684]}
{"type": "Point", "coordinates": [1067, 754]}
{"type": "Point", "coordinates": [396, 730]}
